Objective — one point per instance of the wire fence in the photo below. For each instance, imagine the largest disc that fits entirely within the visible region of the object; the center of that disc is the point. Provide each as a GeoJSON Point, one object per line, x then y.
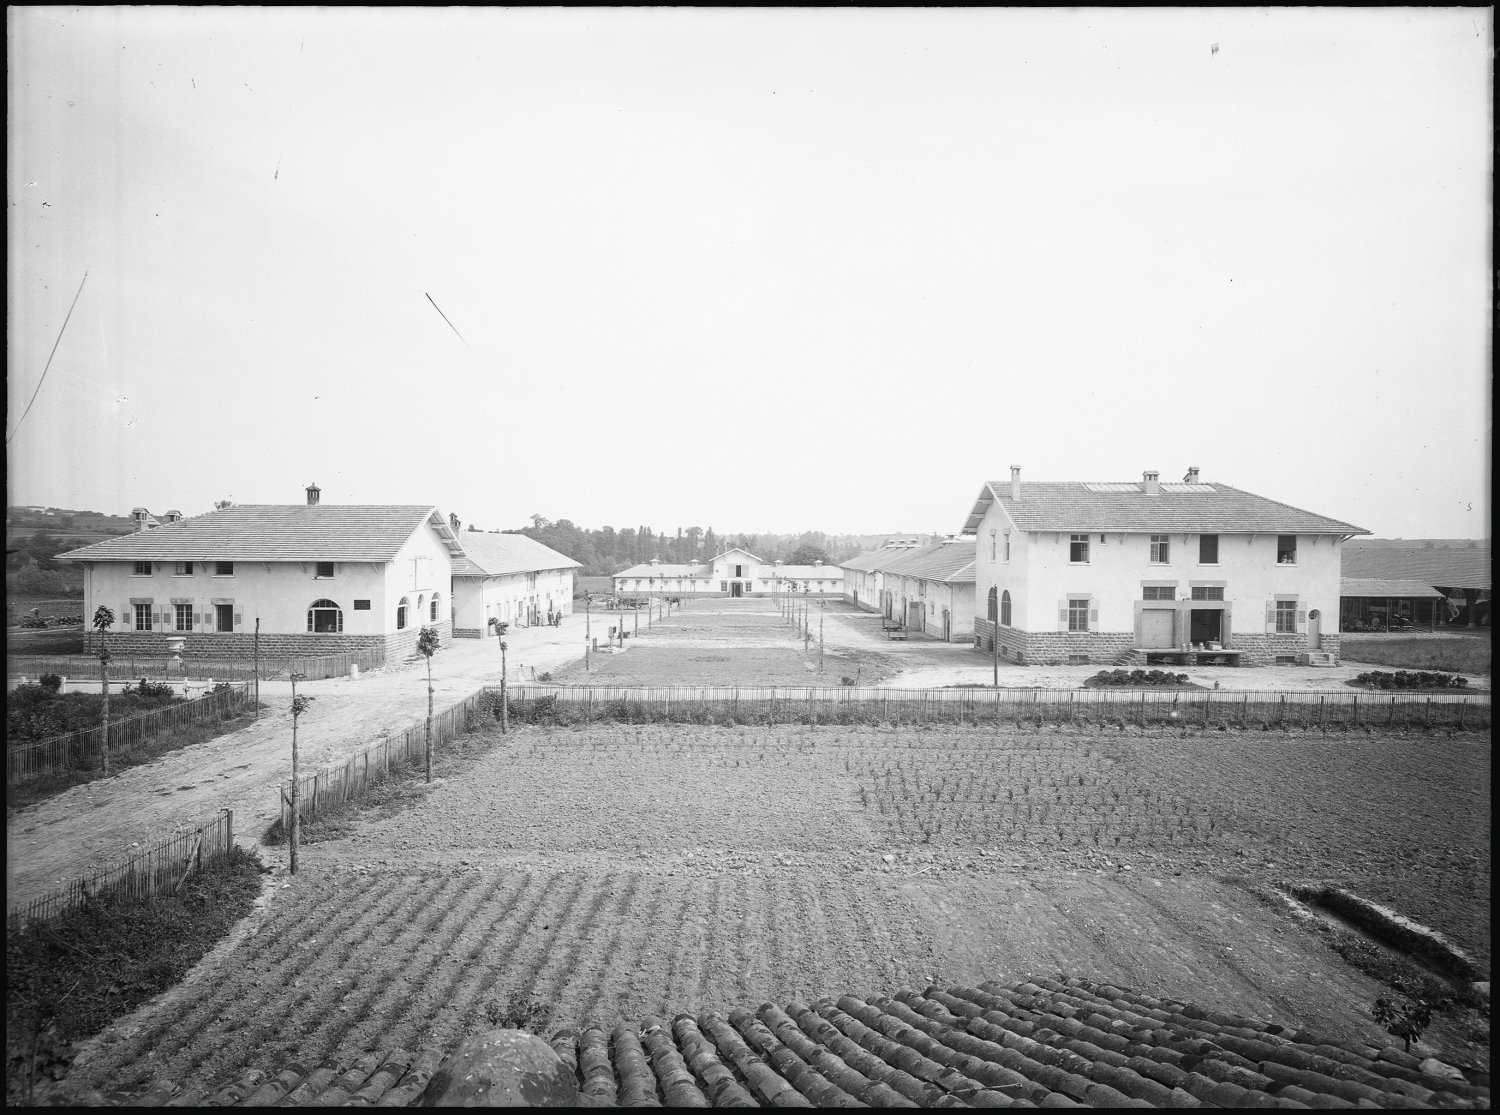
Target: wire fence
{"type": "Point", "coordinates": [332, 786]}
{"type": "Point", "coordinates": [160, 869]}
{"type": "Point", "coordinates": [1139, 707]}
{"type": "Point", "coordinates": [84, 748]}
{"type": "Point", "coordinates": [159, 667]}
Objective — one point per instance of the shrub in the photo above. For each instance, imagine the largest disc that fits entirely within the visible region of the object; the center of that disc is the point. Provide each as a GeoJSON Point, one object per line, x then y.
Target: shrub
{"type": "Point", "coordinates": [50, 681]}
{"type": "Point", "coordinates": [1411, 679]}
{"type": "Point", "coordinates": [154, 690]}
{"type": "Point", "coordinates": [1136, 678]}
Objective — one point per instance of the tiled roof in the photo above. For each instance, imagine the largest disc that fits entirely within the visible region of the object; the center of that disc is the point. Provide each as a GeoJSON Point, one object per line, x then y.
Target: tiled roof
{"type": "Point", "coordinates": [872, 560]}
{"type": "Point", "coordinates": [1375, 586]}
{"type": "Point", "coordinates": [803, 572]}
{"type": "Point", "coordinates": [664, 569]}
{"type": "Point", "coordinates": [1449, 567]}
{"type": "Point", "coordinates": [1049, 1043]}
{"type": "Point", "coordinates": [492, 555]}
{"type": "Point", "coordinates": [275, 532]}
{"type": "Point", "coordinates": [1183, 508]}
{"type": "Point", "coordinates": [950, 563]}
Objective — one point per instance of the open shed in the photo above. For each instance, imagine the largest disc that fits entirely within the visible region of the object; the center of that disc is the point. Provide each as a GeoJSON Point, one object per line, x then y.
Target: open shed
{"type": "Point", "coordinates": [1383, 604]}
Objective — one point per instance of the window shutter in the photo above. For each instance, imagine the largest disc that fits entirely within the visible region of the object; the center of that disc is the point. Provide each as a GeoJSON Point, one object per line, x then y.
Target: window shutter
{"type": "Point", "coordinates": [155, 619]}
{"type": "Point", "coordinates": [1270, 617]}
{"type": "Point", "coordinates": [197, 618]}
{"type": "Point", "coordinates": [1302, 619]}
{"type": "Point", "coordinates": [1093, 618]}
{"type": "Point", "coordinates": [237, 618]}
{"type": "Point", "coordinates": [1062, 614]}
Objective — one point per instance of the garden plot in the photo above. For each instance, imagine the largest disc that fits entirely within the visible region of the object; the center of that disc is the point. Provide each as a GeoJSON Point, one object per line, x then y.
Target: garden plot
{"type": "Point", "coordinates": [618, 870]}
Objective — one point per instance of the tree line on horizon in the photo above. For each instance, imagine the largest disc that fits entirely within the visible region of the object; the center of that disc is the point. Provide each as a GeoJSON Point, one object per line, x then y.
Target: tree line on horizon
{"type": "Point", "coordinates": [605, 551]}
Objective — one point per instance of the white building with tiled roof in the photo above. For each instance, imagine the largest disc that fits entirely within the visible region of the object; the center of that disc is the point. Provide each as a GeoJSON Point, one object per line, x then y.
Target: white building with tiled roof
{"type": "Point", "coordinates": [1099, 572]}
{"type": "Point", "coordinates": [320, 579]}
{"type": "Point", "coordinates": [735, 572]}
{"type": "Point", "coordinates": [863, 574]}
{"type": "Point", "coordinates": [931, 589]}
{"type": "Point", "coordinates": [511, 579]}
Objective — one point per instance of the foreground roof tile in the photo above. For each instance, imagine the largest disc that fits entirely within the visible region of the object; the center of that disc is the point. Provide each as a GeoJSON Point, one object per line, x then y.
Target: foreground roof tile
{"type": "Point", "coordinates": [1039, 1043]}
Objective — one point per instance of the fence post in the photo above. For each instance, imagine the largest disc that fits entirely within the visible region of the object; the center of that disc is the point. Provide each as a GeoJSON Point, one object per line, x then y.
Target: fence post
{"type": "Point", "coordinates": [1356, 710]}
{"type": "Point", "coordinates": [1140, 716]}
{"type": "Point", "coordinates": [1245, 711]}
{"type": "Point", "coordinates": [1391, 716]}
{"type": "Point", "coordinates": [1208, 696]}
{"type": "Point", "coordinates": [228, 830]}
{"type": "Point", "coordinates": [1321, 699]}
{"type": "Point", "coordinates": [1282, 720]}
{"type": "Point", "coordinates": [1429, 713]}
{"type": "Point", "coordinates": [1463, 706]}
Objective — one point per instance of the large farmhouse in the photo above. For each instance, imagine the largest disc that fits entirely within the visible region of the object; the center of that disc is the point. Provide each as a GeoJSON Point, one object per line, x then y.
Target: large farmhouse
{"type": "Point", "coordinates": [1080, 572]}
{"type": "Point", "coordinates": [735, 572]}
{"type": "Point", "coordinates": [308, 579]}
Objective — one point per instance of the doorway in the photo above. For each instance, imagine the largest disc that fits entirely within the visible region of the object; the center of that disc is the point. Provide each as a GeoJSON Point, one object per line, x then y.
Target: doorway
{"type": "Point", "coordinates": [1207, 626]}
{"type": "Point", "coordinates": [735, 588]}
{"type": "Point", "coordinates": [1314, 630]}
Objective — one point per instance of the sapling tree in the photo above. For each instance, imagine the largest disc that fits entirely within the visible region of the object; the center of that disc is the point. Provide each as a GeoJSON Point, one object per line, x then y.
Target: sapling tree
{"type": "Point", "coordinates": [299, 706]}
{"type": "Point", "coordinates": [500, 630]}
{"type": "Point", "coordinates": [1406, 1021]}
{"type": "Point", "coordinates": [103, 620]}
{"type": "Point", "coordinates": [427, 646]}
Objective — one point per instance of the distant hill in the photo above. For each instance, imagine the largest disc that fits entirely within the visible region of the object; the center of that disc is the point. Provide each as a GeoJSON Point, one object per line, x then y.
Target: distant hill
{"type": "Point", "coordinates": [1418, 543]}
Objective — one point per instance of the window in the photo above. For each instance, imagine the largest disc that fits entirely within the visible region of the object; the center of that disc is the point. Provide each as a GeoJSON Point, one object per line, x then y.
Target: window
{"type": "Point", "coordinates": [1286, 617]}
{"type": "Point", "coordinates": [993, 613]}
{"type": "Point", "coordinates": [1286, 549]}
{"type": "Point", "coordinates": [361, 605]}
{"type": "Point", "coordinates": [723, 586]}
{"type": "Point", "coordinates": [433, 613]}
{"type": "Point", "coordinates": [1007, 545]}
{"type": "Point", "coordinates": [1005, 608]}
{"type": "Point", "coordinates": [1208, 549]}
{"type": "Point", "coordinates": [1078, 614]}
{"type": "Point", "coordinates": [142, 616]}
{"type": "Point", "coordinates": [182, 569]}
{"type": "Point", "coordinates": [401, 613]}
{"type": "Point", "coordinates": [1208, 592]}
{"type": "Point", "coordinates": [992, 545]}
{"type": "Point", "coordinates": [325, 617]}
{"type": "Point", "coordinates": [223, 617]}
{"type": "Point", "coordinates": [1161, 549]}
{"type": "Point", "coordinates": [183, 614]}
{"type": "Point", "coordinates": [223, 569]}
{"type": "Point", "coordinates": [324, 570]}
{"type": "Point", "coordinates": [1078, 548]}
{"type": "Point", "coordinates": [141, 569]}
{"type": "Point", "coordinates": [1158, 592]}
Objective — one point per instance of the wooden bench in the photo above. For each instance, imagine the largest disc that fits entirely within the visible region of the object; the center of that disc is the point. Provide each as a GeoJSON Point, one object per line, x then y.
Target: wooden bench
{"type": "Point", "coordinates": [1167, 657]}
{"type": "Point", "coordinates": [895, 632]}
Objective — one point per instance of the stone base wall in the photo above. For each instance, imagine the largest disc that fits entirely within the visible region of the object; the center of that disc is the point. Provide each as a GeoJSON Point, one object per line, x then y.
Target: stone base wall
{"type": "Point", "coordinates": [239, 646]}
{"type": "Point", "coordinates": [1012, 640]}
{"type": "Point", "coordinates": [467, 633]}
{"type": "Point", "coordinates": [1054, 648]}
{"type": "Point", "coordinates": [1263, 650]}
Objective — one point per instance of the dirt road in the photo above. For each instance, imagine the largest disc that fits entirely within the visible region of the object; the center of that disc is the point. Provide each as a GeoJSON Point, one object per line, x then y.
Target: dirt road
{"type": "Point", "coordinates": [62, 838]}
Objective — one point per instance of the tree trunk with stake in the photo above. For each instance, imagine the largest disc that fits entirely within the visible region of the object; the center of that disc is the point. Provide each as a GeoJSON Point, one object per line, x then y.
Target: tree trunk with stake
{"type": "Point", "coordinates": [500, 629]}
{"type": "Point", "coordinates": [103, 620]}
{"type": "Point", "coordinates": [298, 704]}
{"type": "Point", "coordinates": [427, 646]}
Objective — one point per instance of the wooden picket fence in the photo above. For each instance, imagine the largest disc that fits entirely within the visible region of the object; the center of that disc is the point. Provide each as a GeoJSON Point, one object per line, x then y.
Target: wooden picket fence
{"type": "Point", "coordinates": [160, 869]}
{"type": "Point", "coordinates": [85, 667]}
{"type": "Point", "coordinates": [1141, 707]}
{"type": "Point", "coordinates": [85, 747]}
{"type": "Point", "coordinates": [331, 786]}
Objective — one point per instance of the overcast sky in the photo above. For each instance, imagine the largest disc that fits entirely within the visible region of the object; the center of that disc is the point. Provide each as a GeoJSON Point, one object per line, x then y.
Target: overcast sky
{"type": "Point", "coordinates": [760, 270]}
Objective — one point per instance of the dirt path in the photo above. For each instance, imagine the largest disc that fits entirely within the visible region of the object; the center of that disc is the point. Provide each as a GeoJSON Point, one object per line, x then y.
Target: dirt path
{"type": "Point", "coordinates": [64, 837]}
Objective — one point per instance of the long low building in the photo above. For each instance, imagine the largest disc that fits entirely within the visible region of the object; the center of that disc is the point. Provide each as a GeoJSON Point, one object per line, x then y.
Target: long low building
{"type": "Point", "coordinates": [1382, 604]}
{"type": "Point", "coordinates": [735, 572]}
{"type": "Point", "coordinates": [931, 590]}
{"type": "Point", "coordinates": [510, 579]}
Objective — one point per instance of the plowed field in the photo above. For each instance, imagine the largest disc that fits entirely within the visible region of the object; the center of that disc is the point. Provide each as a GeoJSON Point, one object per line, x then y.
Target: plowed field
{"type": "Point", "coordinates": [616, 871]}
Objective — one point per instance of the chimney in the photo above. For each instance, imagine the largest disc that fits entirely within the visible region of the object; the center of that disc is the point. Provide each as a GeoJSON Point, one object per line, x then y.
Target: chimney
{"type": "Point", "coordinates": [1015, 482]}
{"type": "Point", "coordinates": [453, 522]}
{"type": "Point", "coordinates": [780, 562]}
{"type": "Point", "coordinates": [142, 518]}
{"type": "Point", "coordinates": [220, 504]}
{"type": "Point", "coordinates": [1192, 475]}
{"type": "Point", "coordinates": [1153, 483]}
{"type": "Point", "coordinates": [656, 561]}
{"type": "Point", "coordinates": [173, 516]}
{"type": "Point", "coordinates": [313, 492]}
{"type": "Point", "coordinates": [817, 563]}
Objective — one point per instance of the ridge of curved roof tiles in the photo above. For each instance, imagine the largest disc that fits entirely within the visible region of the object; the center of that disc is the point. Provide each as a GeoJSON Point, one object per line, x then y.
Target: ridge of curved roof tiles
{"type": "Point", "coordinates": [1067, 1042]}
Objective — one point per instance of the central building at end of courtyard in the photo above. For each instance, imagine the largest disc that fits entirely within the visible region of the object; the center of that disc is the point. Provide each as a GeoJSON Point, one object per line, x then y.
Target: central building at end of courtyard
{"type": "Point", "coordinates": [735, 572]}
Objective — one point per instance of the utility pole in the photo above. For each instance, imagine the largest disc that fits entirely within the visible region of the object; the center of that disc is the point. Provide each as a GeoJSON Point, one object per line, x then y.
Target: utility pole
{"type": "Point", "coordinates": [822, 610]}
{"type": "Point", "coordinates": [995, 644]}
{"type": "Point", "coordinates": [588, 628]}
{"type": "Point", "coordinates": [296, 814]}
{"type": "Point", "coordinates": [257, 667]}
